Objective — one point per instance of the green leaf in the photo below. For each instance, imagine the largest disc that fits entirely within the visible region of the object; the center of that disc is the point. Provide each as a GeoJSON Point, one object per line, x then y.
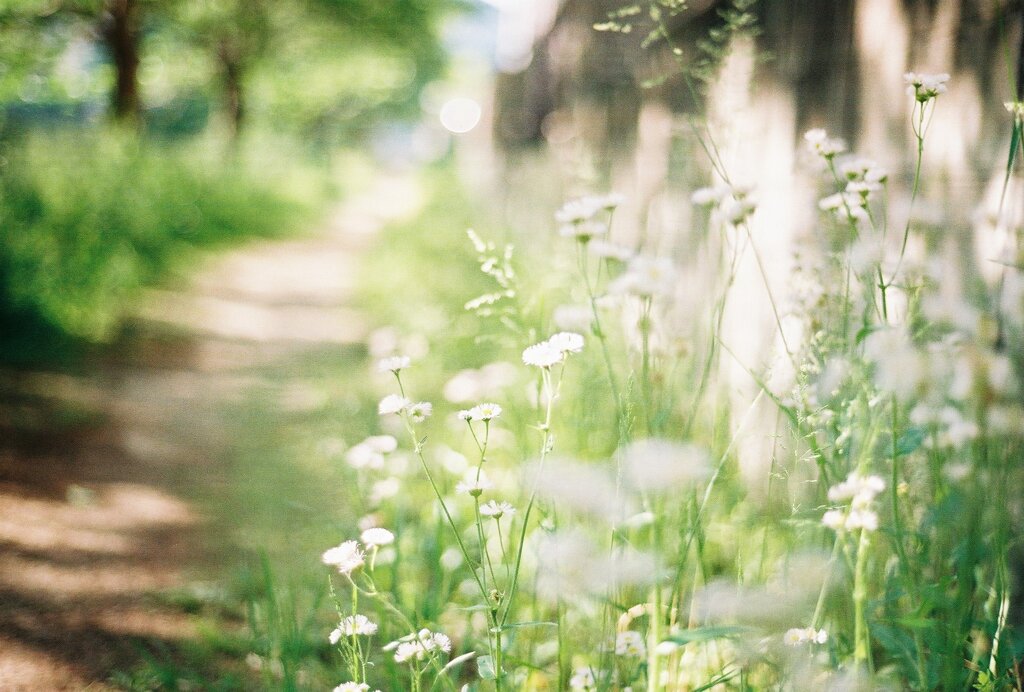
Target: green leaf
{"type": "Point", "coordinates": [910, 440]}
{"type": "Point", "coordinates": [485, 668]}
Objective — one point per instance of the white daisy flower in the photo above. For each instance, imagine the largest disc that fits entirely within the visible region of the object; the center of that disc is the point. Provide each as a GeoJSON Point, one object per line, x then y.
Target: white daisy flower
{"type": "Point", "coordinates": [924, 87]}
{"type": "Point", "coordinates": [420, 411]}
{"type": "Point", "coordinates": [393, 364]}
{"type": "Point", "coordinates": [376, 537]}
{"type": "Point", "coordinates": [483, 412]}
{"type": "Point", "coordinates": [566, 342]}
{"type": "Point", "coordinates": [346, 557]}
{"type": "Point", "coordinates": [821, 144]}
{"type": "Point", "coordinates": [393, 403]}
{"type": "Point", "coordinates": [497, 509]}
{"type": "Point", "coordinates": [543, 355]}
{"type": "Point", "coordinates": [474, 485]}
{"type": "Point", "coordinates": [630, 643]}
{"type": "Point", "coordinates": [352, 687]}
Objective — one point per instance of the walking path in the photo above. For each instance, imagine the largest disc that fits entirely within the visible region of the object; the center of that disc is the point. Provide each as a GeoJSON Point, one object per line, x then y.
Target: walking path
{"type": "Point", "coordinates": [95, 517]}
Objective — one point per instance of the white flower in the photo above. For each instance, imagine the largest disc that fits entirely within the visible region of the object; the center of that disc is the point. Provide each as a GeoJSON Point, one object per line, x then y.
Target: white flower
{"type": "Point", "coordinates": [821, 144]}
{"type": "Point", "coordinates": [497, 509]}
{"type": "Point", "coordinates": [474, 484]}
{"type": "Point", "coordinates": [362, 456]}
{"type": "Point", "coordinates": [804, 635]}
{"type": "Point", "coordinates": [392, 403]}
{"type": "Point", "coordinates": [353, 625]}
{"type": "Point", "coordinates": [482, 412]}
{"type": "Point", "coordinates": [352, 687]}
{"type": "Point", "coordinates": [834, 519]}
{"type": "Point", "coordinates": [577, 210]}
{"type": "Point", "coordinates": [393, 364]}
{"type": "Point", "coordinates": [857, 488]}
{"type": "Point", "coordinates": [385, 444]}
{"type": "Point", "coordinates": [370, 452]}
{"type": "Point", "coordinates": [418, 645]}
{"type": "Point", "coordinates": [376, 537]}
{"type": "Point", "coordinates": [583, 231]}
{"type": "Point", "coordinates": [861, 519]}
{"type": "Point", "coordinates": [543, 355]}
{"type": "Point", "coordinates": [861, 169]}
{"type": "Point", "coordinates": [646, 277]}
{"type": "Point", "coordinates": [420, 411]}
{"type": "Point", "coordinates": [583, 209]}
{"type": "Point", "coordinates": [347, 557]}
{"type": "Point", "coordinates": [408, 651]}
{"type": "Point", "coordinates": [706, 196]}
{"type": "Point", "coordinates": [566, 342]}
{"type": "Point", "coordinates": [924, 87]}
{"type": "Point", "coordinates": [609, 250]}
{"type": "Point", "coordinates": [583, 679]}
{"type": "Point", "coordinates": [630, 643]}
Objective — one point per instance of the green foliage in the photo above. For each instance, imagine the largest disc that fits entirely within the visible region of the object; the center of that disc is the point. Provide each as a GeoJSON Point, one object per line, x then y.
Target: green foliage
{"type": "Point", "coordinates": [87, 221]}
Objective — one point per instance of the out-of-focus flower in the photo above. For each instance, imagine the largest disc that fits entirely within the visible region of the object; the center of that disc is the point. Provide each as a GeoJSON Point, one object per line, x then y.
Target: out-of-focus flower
{"type": "Point", "coordinates": [393, 363]}
{"type": "Point", "coordinates": [392, 403]}
{"type": "Point", "coordinates": [630, 643]}
{"type": "Point", "coordinates": [824, 146]}
{"type": "Point", "coordinates": [420, 411]}
{"type": "Point", "coordinates": [646, 277]}
{"type": "Point", "coordinates": [497, 509]}
{"type": "Point", "coordinates": [924, 87]}
{"type": "Point", "coordinates": [804, 635]}
{"type": "Point", "coordinates": [542, 355]}
{"type": "Point", "coordinates": [376, 537]}
{"type": "Point", "coordinates": [346, 557]}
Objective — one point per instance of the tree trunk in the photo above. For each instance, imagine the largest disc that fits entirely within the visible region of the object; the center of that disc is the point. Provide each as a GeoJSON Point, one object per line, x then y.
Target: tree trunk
{"type": "Point", "coordinates": [121, 32]}
{"type": "Point", "coordinates": [234, 94]}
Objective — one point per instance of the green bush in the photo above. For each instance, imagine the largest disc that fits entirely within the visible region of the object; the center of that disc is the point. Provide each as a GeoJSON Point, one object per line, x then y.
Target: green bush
{"type": "Point", "coordinates": [87, 220]}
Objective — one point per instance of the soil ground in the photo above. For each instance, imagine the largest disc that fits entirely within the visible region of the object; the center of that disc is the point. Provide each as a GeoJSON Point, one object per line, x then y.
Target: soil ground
{"type": "Point", "coordinates": [99, 471]}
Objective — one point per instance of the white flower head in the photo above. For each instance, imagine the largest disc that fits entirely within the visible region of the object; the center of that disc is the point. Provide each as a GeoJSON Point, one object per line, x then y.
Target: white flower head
{"type": "Point", "coordinates": [497, 510]}
{"type": "Point", "coordinates": [482, 412]}
{"type": "Point", "coordinates": [821, 144]}
{"type": "Point", "coordinates": [924, 87]}
{"type": "Point", "coordinates": [353, 625]}
{"type": "Point", "coordinates": [393, 363]}
{"type": "Point", "coordinates": [385, 444]}
{"type": "Point", "coordinates": [804, 635]}
{"type": "Point", "coordinates": [474, 484]}
{"type": "Point", "coordinates": [376, 537]}
{"type": "Point", "coordinates": [420, 411]}
{"type": "Point", "coordinates": [419, 645]}
{"type": "Point", "coordinates": [352, 687]}
{"type": "Point", "coordinates": [566, 342]}
{"type": "Point", "coordinates": [346, 557]}
{"type": "Point", "coordinates": [630, 643]}
{"type": "Point", "coordinates": [857, 488]}
{"type": "Point", "coordinates": [583, 679]}
{"type": "Point", "coordinates": [608, 250]}
{"type": "Point", "coordinates": [584, 230]}
{"type": "Point", "coordinates": [542, 355]}
{"type": "Point", "coordinates": [393, 403]}
{"type": "Point", "coordinates": [646, 277]}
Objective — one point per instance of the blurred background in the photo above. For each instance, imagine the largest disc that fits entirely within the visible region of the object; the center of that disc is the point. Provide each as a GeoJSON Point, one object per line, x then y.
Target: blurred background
{"type": "Point", "coordinates": [211, 212]}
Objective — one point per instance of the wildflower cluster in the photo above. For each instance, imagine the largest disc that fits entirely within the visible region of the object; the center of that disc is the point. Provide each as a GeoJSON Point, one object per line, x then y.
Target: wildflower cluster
{"type": "Point", "coordinates": [925, 87]}
{"type": "Point", "coordinates": [733, 204]}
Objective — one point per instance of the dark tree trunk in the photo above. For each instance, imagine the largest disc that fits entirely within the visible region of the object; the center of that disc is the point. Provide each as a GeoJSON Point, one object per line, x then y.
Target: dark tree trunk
{"type": "Point", "coordinates": [233, 73]}
{"type": "Point", "coordinates": [121, 33]}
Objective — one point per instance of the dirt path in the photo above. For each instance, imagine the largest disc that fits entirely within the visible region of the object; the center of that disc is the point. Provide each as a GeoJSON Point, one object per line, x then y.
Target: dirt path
{"type": "Point", "coordinates": [95, 470]}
